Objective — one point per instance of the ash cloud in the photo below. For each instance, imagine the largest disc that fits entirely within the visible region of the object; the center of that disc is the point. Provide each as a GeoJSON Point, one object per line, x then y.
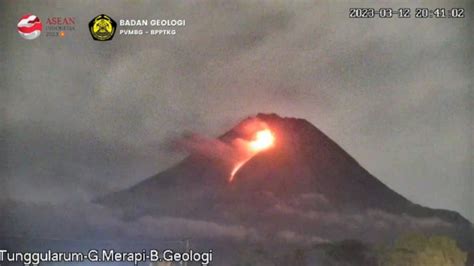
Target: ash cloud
{"type": "Point", "coordinates": [232, 150]}
{"type": "Point", "coordinates": [212, 148]}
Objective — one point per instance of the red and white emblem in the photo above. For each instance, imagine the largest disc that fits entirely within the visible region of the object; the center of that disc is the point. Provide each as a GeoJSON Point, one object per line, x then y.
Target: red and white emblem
{"type": "Point", "coordinates": [30, 27]}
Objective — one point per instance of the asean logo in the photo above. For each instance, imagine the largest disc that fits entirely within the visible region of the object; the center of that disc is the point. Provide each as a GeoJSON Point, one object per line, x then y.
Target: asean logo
{"type": "Point", "coordinates": [102, 28]}
{"type": "Point", "coordinates": [29, 27]}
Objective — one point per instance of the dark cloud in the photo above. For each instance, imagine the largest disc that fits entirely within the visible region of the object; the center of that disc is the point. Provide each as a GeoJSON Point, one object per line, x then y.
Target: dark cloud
{"type": "Point", "coordinates": [81, 117]}
{"type": "Point", "coordinates": [95, 222]}
{"type": "Point", "coordinates": [378, 220]}
{"type": "Point", "coordinates": [50, 221]}
{"type": "Point", "coordinates": [292, 237]}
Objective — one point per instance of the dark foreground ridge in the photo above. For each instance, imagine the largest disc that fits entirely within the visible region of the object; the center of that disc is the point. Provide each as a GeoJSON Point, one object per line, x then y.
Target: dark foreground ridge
{"type": "Point", "coordinates": [306, 184]}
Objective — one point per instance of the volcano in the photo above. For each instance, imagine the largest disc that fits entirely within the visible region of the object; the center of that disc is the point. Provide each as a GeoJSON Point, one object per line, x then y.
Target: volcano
{"type": "Point", "coordinates": [304, 188]}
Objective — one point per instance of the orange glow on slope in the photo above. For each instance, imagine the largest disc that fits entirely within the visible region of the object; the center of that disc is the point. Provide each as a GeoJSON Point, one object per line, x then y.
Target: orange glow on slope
{"type": "Point", "coordinates": [264, 139]}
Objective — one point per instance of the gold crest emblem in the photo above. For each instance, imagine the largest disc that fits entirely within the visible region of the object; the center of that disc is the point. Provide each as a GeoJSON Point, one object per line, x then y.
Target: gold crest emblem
{"type": "Point", "coordinates": [102, 28]}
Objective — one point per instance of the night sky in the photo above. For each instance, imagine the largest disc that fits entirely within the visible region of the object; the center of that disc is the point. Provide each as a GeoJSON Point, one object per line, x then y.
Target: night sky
{"type": "Point", "coordinates": [82, 118]}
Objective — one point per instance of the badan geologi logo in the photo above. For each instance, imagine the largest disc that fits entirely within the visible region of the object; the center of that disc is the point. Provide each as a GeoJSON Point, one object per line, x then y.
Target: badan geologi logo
{"type": "Point", "coordinates": [29, 27]}
{"type": "Point", "coordinates": [102, 28]}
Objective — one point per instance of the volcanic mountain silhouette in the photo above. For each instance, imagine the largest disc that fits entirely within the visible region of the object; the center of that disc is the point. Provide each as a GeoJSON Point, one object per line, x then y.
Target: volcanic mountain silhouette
{"type": "Point", "coordinates": [304, 188]}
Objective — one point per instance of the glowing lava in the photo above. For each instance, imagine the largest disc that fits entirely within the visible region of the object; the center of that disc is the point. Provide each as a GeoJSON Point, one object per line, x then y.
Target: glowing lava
{"type": "Point", "coordinates": [264, 139]}
{"type": "Point", "coordinates": [236, 169]}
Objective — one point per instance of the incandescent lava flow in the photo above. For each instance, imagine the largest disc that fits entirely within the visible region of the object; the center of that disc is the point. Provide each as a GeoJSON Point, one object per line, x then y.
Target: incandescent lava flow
{"type": "Point", "coordinates": [263, 140]}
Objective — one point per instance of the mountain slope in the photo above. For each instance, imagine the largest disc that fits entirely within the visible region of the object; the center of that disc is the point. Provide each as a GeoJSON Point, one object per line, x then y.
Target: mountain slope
{"type": "Point", "coordinates": [306, 188]}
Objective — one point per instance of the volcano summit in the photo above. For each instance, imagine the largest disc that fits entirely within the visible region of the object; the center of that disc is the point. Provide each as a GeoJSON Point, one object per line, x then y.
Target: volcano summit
{"type": "Point", "coordinates": [303, 189]}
